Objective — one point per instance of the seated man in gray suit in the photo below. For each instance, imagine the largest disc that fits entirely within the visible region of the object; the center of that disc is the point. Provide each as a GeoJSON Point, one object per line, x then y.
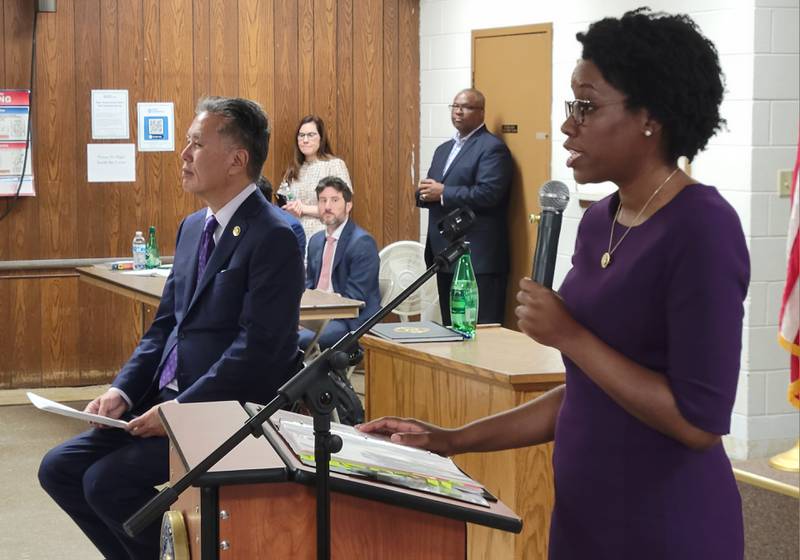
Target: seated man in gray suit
{"type": "Point", "coordinates": [342, 259]}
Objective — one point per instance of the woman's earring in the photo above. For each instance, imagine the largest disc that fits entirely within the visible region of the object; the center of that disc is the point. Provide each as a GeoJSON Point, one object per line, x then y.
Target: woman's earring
{"type": "Point", "coordinates": [648, 132]}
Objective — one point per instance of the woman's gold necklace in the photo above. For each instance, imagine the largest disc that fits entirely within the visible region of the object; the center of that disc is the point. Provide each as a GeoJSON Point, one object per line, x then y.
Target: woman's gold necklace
{"type": "Point", "coordinates": [605, 260]}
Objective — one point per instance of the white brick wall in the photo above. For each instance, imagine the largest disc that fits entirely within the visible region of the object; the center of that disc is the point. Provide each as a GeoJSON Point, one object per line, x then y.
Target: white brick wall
{"type": "Point", "coordinates": [758, 45]}
{"type": "Point", "coordinates": [771, 423]}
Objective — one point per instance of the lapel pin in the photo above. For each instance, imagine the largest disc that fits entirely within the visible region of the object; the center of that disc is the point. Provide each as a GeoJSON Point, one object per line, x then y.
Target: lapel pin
{"type": "Point", "coordinates": [236, 231]}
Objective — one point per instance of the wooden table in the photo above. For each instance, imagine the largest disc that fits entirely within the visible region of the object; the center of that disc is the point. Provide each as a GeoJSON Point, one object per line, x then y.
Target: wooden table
{"type": "Point", "coordinates": [315, 305]}
{"type": "Point", "coordinates": [452, 383]}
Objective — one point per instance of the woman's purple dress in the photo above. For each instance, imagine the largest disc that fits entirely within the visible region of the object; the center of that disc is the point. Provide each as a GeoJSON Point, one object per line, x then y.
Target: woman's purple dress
{"type": "Point", "coordinates": [672, 301]}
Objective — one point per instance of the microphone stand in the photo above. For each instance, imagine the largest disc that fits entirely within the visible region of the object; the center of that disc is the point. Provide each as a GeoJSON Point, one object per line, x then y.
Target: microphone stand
{"type": "Point", "coordinates": [313, 384]}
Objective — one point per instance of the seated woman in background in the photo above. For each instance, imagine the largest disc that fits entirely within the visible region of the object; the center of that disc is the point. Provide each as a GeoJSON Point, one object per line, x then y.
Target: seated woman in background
{"type": "Point", "coordinates": [313, 159]}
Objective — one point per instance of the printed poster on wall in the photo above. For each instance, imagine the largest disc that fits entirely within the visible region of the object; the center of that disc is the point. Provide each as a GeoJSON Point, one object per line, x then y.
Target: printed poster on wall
{"type": "Point", "coordinates": [14, 113]}
{"type": "Point", "coordinates": [110, 114]}
{"type": "Point", "coordinates": [156, 127]}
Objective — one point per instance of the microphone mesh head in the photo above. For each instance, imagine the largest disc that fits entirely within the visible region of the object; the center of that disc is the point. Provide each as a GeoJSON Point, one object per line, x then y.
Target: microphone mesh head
{"type": "Point", "coordinates": [554, 195]}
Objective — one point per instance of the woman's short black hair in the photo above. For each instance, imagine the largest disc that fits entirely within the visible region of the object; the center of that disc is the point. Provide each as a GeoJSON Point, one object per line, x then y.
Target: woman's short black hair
{"type": "Point", "coordinates": [662, 63]}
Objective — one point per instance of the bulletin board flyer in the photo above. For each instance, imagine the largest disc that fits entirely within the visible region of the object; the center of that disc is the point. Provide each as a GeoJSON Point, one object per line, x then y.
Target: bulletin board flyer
{"type": "Point", "coordinates": [14, 135]}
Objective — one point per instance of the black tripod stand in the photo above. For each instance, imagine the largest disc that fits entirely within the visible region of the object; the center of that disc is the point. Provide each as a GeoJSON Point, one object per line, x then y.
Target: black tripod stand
{"type": "Point", "coordinates": [315, 386]}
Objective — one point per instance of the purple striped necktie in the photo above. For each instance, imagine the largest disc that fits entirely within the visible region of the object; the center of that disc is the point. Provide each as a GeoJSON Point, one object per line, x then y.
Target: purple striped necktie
{"type": "Point", "coordinates": [206, 247]}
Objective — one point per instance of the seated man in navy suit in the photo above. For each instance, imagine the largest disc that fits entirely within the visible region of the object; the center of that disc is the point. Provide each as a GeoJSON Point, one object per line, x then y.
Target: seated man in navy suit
{"type": "Point", "coordinates": [226, 329]}
{"type": "Point", "coordinates": [265, 187]}
{"type": "Point", "coordinates": [342, 259]}
{"type": "Point", "coordinates": [472, 170]}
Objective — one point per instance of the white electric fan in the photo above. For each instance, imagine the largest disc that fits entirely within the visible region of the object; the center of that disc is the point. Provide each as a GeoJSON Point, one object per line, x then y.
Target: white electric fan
{"type": "Point", "coordinates": [403, 262]}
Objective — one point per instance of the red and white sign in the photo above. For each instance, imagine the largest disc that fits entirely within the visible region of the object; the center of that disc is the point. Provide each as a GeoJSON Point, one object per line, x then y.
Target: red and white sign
{"type": "Point", "coordinates": [14, 115]}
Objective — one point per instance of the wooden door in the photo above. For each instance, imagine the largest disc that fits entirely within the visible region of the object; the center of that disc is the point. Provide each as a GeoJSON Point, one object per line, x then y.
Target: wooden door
{"type": "Point", "coordinates": [512, 66]}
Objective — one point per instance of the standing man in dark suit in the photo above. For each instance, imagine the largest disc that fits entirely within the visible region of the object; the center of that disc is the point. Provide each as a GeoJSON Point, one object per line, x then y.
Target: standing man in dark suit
{"type": "Point", "coordinates": [472, 170]}
{"type": "Point", "coordinates": [343, 258]}
{"type": "Point", "coordinates": [226, 329]}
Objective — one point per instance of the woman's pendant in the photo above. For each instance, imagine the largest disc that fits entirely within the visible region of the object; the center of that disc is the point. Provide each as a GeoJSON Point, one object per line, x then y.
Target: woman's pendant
{"type": "Point", "coordinates": [605, 260]}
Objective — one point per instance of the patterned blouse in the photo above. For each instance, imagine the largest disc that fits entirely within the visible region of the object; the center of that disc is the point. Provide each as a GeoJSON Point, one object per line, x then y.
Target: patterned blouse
{"type": "Point", "coordinates": [303, 188]}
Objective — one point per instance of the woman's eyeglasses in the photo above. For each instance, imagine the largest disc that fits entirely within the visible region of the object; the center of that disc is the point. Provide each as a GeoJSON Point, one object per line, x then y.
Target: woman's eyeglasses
{"type": "Point", "coordinates": [579, 108]}
{"type": "Point", "coordinates": [309, 135]}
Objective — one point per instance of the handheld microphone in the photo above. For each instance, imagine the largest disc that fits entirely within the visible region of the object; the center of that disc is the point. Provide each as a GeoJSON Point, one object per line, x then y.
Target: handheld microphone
{"type": "Point", "coordinates": [553, 198]}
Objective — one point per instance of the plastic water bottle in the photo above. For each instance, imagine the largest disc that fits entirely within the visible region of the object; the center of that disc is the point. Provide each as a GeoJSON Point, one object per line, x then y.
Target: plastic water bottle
{"type": "Point", "coordinates": [139, 252]}
{"type": "Point", "coordinates": [284, 194]}
{"type": "Point", "coordinates": [152, 257]}
{"type": "Point", "coordinates": [464, 297]}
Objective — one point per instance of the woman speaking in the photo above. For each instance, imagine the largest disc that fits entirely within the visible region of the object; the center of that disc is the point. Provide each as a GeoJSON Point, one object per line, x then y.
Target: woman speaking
{"type": "Point", "coordinates": [648, 319]}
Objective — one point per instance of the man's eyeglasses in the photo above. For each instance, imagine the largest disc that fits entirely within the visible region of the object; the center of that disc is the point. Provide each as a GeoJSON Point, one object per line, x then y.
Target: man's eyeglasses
{"type": "Point", "coordinates": [579, 108]}
{"type": "Point", "coordinates": [455, 107]}
{"type": "Point", "coordinates": [309, 135]}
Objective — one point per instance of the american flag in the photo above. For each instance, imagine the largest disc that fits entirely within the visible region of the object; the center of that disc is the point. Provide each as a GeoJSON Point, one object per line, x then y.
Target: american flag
{"type": "Point", "coordinates": [789, 319]}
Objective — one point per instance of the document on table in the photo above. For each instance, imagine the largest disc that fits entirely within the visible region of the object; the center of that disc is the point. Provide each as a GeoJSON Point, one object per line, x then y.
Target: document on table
{"type": "Point", "coordinates": [57, 408]}
{"type": "Point", "coordinates": [163, 272]}
{"type": "Point", "coordinates": [378, 458]}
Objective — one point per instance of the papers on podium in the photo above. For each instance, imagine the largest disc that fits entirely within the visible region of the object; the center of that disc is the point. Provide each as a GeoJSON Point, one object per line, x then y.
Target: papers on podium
{"type": "Point", "coordinates": [57, 408]}
{"type": "Point", "coordinates": [415, 331]}
{"type": "Point", "coordinates": [377, 458]}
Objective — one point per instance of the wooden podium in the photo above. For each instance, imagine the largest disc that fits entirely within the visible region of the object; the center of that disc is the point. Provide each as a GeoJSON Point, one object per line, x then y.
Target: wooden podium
{"type": "Point", "coordinates": [251, 505]}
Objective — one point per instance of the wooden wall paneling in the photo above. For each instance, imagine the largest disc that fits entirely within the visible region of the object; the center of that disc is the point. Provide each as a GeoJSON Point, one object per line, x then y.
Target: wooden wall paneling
{"type": "Point", "coordinates": [176, 72]}
{"type": "Point", "coordinates": [91, 198]}
{"type": "Point", "coordinates": [114, 194]}
{"type": "Point", "coordinates": [256, 60]}
{"type": "Point", "coordinates": [286, 83]}
{"type": "Point", "coordinates": [153, 162]}
{"type": "Point", "coordinates": [22, 224]}
{"type": "Point", "coordinates": [8, 333]}
{"type": "Point", "coordinates": [344, 94]}
{"type": "Point", "coordinates": [130, 54]}
{"type": "Point", "coordinates": [2, 57]}
{"type": "Point", "coordinates": [368, 112]}
{"type": "Point", "coordinates": [389, 130]}
{"type": "Point", "coordinates": [95, 342]}
{"type": "Point", "coordinates": [26, 355]}
{"type": "Point", "coordinates": [224, 44]}
{"type": "Point", "coordinates": [59, 332]}
{"type": "Point", "coordinates": [305, 61]}
{"type": "Point", "coordinates": [408, 115]}
{"type": "Point", "coordinates": [57, 193]}
{"type": "Point", "coordinates": [92, 209]}
{"type": "Point", "coordinates": [109, 43]}
{"type": "Point", "coordinates": [128, 331]}
{"type": "Point", "coordinates": [109, 331]}
{"type": "Point", "coordinates": [201, 44]}
{"type": "Point", "coordinates": [325, 76]}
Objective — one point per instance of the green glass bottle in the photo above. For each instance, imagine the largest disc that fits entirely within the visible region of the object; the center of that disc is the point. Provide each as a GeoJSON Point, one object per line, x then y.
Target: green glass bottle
{"type": "Point", "coordinates": [152, 259]}
{"type": "Point", "coordinates": [464, 297]}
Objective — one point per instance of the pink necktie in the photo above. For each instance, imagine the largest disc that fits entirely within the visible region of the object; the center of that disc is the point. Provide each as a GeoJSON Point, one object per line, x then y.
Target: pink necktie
{"type": "Point", "coordinates": [324, 283]}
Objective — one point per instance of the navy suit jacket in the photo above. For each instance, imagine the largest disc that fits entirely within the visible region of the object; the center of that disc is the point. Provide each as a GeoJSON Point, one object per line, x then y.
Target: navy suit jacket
{"type": "Point", "coordinates": [480, 179]}
{"type": "Point", "coordinates": [297, 228]}
{"type": "Point", "coordinates": [355, 269]}
{"type": "Point", "coordinates": [237, 330]}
